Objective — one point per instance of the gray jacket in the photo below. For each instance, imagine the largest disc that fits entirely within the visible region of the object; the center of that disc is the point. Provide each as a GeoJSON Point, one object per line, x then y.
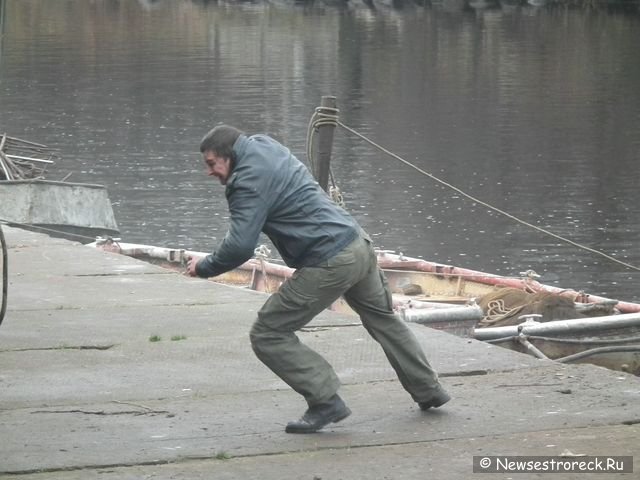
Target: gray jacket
{"type": "Point", "coordinates": [271, 191]}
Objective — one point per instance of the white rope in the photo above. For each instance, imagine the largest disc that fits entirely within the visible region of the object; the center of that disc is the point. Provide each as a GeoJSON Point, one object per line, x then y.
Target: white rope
{"type": "Point", "coordinates": [262, 254]}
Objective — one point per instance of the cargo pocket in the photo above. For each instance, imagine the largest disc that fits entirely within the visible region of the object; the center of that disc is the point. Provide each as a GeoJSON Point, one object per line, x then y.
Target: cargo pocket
{"type": "Point", "coordinates": [387, 291]}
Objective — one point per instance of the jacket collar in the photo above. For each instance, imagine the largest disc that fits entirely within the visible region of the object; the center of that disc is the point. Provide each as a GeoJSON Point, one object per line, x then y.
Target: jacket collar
{"type": "Point", "coordinates": [240, 146]}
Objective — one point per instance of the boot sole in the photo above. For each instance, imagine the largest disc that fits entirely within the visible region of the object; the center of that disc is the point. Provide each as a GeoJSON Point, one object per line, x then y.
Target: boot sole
{"type": "Point", "coordinates": [435, 403]}
{"type": "Point", "coordinates": [313, 429]}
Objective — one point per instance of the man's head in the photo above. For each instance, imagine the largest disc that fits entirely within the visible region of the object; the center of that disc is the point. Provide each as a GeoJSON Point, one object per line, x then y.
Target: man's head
{"type": "Point", "coordinates": [217, 151]}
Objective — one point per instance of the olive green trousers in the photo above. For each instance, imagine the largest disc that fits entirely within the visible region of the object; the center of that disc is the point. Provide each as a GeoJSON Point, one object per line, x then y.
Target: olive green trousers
{"type": "Point", "coordinates": [354, 274]}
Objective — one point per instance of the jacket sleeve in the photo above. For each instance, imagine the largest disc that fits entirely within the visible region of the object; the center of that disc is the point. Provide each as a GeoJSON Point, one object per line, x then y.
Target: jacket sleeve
{"type": "Point", "coordinates": [248, 214]}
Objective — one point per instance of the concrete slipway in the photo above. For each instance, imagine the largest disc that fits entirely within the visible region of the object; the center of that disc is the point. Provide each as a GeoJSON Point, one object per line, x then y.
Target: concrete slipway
{"type": "Point", "coordinates": [85, 394]}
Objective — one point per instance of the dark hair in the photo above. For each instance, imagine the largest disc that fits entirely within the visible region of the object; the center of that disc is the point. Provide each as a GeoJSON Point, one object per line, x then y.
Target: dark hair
{"type": "Point", "coordinates": [220, 141]}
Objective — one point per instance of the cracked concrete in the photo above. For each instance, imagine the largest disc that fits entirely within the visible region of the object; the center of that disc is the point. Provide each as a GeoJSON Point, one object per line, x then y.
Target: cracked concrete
{"type": "Point", "coordinates": [87, 395]}
{"type": "Point", "coordinates": [65, 347]}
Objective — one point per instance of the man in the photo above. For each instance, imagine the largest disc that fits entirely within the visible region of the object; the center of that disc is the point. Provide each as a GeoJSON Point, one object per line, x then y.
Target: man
{"type": "Point", "coordinates": [269, 190]}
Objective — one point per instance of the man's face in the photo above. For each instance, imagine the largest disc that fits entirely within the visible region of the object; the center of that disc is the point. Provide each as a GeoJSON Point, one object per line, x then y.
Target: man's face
{"type": "Point", "coordinates": [219, 167]}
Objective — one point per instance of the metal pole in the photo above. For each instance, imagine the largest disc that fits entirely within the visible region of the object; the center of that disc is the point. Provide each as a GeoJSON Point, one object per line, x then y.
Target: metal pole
{"type": "Point", "coordinates": [5, 275]}
{"type": "Point", "coordinates": [325, 142]}
{"type": "Point", "coordinates": [562, 328]}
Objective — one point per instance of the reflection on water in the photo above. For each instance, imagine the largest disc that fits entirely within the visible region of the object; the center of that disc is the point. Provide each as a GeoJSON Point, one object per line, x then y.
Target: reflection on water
{"type": "Point", "coordinates": [533, 110]}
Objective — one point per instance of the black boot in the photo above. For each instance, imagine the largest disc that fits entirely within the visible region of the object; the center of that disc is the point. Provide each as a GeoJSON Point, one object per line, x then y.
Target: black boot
{"type": "Point", "coordinates": [320, 415]}
{"type": "Point", "coordinates": [437, 399]}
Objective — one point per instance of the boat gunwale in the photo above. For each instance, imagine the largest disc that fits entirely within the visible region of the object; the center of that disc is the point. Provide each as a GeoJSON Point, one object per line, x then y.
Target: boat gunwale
{"type": "Point", "coordinates": [387, 261]}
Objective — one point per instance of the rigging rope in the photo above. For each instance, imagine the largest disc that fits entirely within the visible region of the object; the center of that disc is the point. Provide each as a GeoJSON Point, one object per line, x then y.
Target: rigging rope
{"type": "Point", "coordinates": [321, 117]}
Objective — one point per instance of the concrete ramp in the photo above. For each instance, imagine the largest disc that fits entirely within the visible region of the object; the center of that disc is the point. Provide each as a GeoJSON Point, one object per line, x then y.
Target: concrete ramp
{"type": "Point", "coordinates": [111, 368]}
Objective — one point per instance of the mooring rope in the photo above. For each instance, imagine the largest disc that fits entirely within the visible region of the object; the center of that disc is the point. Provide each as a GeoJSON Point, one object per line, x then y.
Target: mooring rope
{"type": "Point", "coordinates": [322, 117]}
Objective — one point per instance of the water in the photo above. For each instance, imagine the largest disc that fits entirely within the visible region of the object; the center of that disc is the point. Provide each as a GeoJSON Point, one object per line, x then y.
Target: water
{"type": "Point", "coordinates": [532, 110]}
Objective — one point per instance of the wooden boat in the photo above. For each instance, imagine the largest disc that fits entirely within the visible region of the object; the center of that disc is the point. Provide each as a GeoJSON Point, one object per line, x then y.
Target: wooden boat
{"type": "Point", "coordinates": [59, 208]}
{"type": "Point", "coordinates": [600, 330]}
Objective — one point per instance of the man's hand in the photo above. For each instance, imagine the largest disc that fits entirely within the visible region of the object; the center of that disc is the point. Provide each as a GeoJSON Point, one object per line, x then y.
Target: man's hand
{"type": "Point", "coordinates": [191, 266]}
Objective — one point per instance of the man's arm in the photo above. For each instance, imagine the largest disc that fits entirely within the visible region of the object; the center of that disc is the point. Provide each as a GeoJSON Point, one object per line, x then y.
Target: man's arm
{"type": "Point", "coordinates": [248, 215]}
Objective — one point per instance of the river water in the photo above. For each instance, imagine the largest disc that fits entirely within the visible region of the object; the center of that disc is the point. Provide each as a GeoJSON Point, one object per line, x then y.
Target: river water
{"type": "Point", "coordinates": [532, 110]}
